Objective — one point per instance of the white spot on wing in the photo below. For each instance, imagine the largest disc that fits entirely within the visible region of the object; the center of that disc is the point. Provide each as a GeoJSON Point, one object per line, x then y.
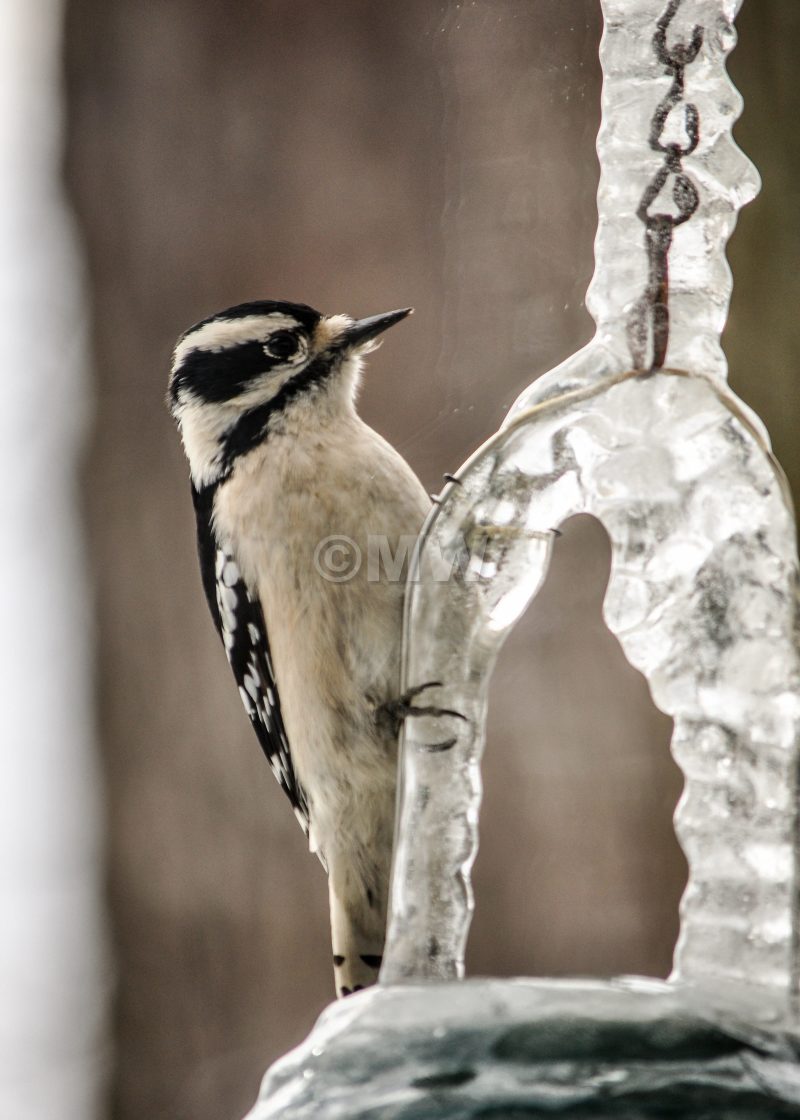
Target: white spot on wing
{"type": "Point", "coordinates": [230, 574]}
{"type": "Point", "coordinates": [248, 706]}
{"type": "Point", "coordinates": [229, 597]}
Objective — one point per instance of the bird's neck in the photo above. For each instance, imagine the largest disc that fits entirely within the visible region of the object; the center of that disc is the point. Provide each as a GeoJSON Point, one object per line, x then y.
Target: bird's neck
{"type": "Point", "coordinates": [203, 432]}
{"type": "Point", "coordinates": [216, 439]}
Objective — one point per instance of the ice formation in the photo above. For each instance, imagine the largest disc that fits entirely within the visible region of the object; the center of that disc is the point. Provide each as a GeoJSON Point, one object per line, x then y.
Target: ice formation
{"type": "Point", "coordinates": [702, 598]}
{"type": "Point", "coordinates": [640, 430]}
{"type": "Point", "coordinates": [626, 1050]}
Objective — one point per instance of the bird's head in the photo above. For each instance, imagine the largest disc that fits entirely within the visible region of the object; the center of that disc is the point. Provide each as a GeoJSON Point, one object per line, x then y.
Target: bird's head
{"type": "Point", "coordinates": [251, 370]}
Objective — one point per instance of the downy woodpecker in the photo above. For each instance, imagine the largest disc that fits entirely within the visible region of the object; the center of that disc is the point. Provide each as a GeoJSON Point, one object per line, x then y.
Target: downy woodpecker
{"type": "Point", "coordinates": [264, 396]}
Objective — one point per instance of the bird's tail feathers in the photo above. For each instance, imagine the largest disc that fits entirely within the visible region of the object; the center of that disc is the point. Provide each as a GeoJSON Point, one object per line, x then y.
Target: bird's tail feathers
{"type": "Point", "coordinates": [358, 929]}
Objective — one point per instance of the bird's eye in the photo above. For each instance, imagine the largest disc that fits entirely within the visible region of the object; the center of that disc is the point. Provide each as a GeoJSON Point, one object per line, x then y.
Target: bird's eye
{"type": "Point", "coordinates": [283, 344]}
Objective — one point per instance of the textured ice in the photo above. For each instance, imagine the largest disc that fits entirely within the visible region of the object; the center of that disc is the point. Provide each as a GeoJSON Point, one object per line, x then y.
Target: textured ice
{"type": "Point", "coordinates": [703, 587]}
{"type": "Point", "coordinates": [702, 597]}
{"type": "Point", "coordinates": [487, 1048]}
{"type": "Point", "coordinates": [700, 280]}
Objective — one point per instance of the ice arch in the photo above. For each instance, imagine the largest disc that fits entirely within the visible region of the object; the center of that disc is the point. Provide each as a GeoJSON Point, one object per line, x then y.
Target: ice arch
{"type": "Point", "coordinates": [702, 597]}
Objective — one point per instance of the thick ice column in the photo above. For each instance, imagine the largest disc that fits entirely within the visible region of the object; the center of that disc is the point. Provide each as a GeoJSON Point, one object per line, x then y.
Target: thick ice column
{"type": "Point", "coordinates": [639, 430]}
{"type": "Point", "coordinates": [672, 181]}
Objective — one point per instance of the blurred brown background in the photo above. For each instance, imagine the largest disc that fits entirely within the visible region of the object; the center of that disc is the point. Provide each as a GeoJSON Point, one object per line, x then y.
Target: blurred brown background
{"type": "Point", "coordinates": [360, 156]}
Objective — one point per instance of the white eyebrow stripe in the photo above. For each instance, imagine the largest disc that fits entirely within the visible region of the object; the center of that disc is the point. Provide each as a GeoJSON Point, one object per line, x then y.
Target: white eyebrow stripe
{"type": "Point", "coordinates": [223, 333]}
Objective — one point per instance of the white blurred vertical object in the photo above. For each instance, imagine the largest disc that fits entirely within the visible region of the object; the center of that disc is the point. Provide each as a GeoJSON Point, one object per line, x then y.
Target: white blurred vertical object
{"type": "Point", "coordinates": [52, 960]}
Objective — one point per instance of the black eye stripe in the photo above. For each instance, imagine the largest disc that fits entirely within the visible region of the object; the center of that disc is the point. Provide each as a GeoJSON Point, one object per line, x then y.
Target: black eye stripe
{"type": "Point", "coordinates": [224, 374]}
{"type": "Point", "coordinates": [251, 429]}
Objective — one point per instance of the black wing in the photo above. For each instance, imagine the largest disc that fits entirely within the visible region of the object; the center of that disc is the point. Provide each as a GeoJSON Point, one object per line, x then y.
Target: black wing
{"type": "Point", "coordinates": [240, 623]}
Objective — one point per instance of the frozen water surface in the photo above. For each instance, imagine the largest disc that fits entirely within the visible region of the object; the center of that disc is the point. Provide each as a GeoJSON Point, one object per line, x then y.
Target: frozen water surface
{"type": "Point", "coordinates": [514, 1048]}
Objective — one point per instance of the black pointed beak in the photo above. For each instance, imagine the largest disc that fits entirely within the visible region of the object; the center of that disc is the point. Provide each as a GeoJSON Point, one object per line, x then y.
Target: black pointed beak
{"type": "Point", "coordinates": [363, 330]}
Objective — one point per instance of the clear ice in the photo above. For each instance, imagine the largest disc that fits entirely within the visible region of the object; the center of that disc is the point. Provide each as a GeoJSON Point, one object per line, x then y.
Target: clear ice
{"type": "Point", "coordinates": [640, 430]}
{"type": "Point", "coordinates": [703, 586]}
{"type": "Point", "coordinates": [702, 597]}
{"type": "Point", "coordinates": [630, 1049]}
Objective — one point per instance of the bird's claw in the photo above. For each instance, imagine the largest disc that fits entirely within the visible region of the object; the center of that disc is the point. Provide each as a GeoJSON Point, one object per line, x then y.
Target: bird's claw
{"type": "Point", "coordinates": [402, 709]}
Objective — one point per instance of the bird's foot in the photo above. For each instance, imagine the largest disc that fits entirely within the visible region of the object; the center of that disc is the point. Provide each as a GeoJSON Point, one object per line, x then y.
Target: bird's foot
{"type": "Point", "coordinates": [398, 711]}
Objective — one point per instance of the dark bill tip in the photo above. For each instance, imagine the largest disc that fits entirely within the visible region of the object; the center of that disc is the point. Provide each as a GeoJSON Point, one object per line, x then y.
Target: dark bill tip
{"type": "Point", "coordinates": [362, 330]}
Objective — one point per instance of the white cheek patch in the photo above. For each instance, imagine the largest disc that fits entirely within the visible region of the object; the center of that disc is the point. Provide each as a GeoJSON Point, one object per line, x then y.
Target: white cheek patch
{"type": "Point", "coordinates": [264, 387]}
{"type": "Point", "coordinates": [202, 430]}
{"type": "Point", "coordinates": [224, 333]}
{"type": "Point", "coordinates": [203, 427]}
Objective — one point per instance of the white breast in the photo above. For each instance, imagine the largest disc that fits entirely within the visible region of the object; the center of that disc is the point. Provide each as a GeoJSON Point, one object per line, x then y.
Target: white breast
{"type": "Point", "coordinates": [335, 645]}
